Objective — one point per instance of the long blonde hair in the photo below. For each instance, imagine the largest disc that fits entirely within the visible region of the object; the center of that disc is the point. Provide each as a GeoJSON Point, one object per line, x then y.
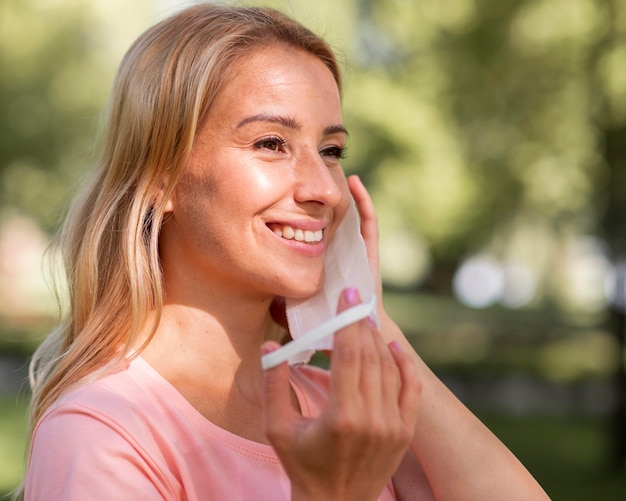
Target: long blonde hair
{"type": "Point", "coordinates": [165, 89]}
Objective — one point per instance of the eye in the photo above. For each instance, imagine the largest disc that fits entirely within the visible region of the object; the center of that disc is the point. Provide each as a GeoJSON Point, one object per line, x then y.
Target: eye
{"type": "Point", "coordinates": [336, 152]}
{"type": "Point", "coordinates": [271, 143]}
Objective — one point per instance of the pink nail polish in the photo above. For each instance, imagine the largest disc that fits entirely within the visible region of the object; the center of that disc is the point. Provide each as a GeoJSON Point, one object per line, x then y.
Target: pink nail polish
{"type": "Point", "coordinates": [352, 295]}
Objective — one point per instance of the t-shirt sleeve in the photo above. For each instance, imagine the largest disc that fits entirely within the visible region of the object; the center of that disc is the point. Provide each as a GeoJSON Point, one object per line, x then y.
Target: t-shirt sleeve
{"type": "Point", "coordinates": [79, 454]}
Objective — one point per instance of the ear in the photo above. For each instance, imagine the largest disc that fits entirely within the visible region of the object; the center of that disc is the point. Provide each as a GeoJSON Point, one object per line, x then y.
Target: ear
{"type": "Point", "coordinates": [158, 199]}
{"type": "Point", "coordinates": [169, 205]}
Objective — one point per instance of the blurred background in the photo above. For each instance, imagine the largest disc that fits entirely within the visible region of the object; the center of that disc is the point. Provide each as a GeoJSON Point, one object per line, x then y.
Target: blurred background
{"type": "Point", "coordinates": [492, 136]}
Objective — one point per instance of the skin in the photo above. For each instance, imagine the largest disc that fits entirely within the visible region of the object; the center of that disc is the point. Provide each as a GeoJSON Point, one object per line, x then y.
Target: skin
{"type": "Point", "coordinates": [267, 157]}
{"type": "Point", "coordinates": [451, 454]}
{"type": "Point", "coordinates": [355, 446]}
{"type": "Point", "coordinates": [386, 411]}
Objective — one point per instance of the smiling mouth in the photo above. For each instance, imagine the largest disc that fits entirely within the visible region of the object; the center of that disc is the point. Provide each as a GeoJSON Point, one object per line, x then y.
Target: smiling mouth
{"type": "Point", "coordinates": [306, 236]}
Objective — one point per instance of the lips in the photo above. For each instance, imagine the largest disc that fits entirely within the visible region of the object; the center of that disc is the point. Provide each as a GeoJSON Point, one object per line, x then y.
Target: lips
{"type": "Point", "coordinates": [298, 234]}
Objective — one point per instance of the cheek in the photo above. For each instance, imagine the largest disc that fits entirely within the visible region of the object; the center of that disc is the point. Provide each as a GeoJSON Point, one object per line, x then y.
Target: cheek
{"type": "Point", "coordinates": [261, 180]}
{"type": "Point", "coordinates": [346, 197]}
{"type": "Point", "coordinates": [217, 204]}
{"type": "Point", "coordinates": [342, 207]}
{"type": "Point", "coordinates": [193, 207]}
{"type": "Point", "coordinates": [194, 186]}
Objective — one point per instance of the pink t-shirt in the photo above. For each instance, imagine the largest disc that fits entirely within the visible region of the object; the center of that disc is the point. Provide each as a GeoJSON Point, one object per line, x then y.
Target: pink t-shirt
{"type": "Point", "coordinates": [132, 435]}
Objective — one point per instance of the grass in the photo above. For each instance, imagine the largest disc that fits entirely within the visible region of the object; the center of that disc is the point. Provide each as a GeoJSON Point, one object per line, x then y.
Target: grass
{"type": "Point", "coordinates": [569, 456]}
{"type": "Point", "coordinates": [12, 441]}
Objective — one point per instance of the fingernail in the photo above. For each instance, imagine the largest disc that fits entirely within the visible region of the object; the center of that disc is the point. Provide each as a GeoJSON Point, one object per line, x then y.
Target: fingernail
{"type": "Point", "coordinates": [352, 295]}
{"type": "Point", "coordinates": [265, 349]}
{"type": "Point", "coordinates": [394, 345]}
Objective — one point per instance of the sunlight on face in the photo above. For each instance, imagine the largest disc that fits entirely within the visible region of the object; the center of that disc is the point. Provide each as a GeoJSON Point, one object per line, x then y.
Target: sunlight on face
{"type": "Point", "coordinates": [264, 190]}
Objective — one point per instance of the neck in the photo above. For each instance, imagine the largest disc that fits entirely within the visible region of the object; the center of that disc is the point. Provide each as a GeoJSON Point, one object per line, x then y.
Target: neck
{"type": "Point", "coordinates": [216, 340]}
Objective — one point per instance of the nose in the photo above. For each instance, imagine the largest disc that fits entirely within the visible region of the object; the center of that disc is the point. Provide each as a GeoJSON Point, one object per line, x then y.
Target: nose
{"type": "Point", "coordinates": [316, 181]}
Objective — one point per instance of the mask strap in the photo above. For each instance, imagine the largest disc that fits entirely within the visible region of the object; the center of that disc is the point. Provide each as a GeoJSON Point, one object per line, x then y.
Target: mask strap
{"type": "Point", "coordinates": [289, 351]}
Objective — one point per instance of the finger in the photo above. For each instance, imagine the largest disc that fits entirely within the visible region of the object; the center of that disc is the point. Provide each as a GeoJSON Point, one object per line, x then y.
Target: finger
{"type": "Point", "coordinates": [369, 225]}
{"type": "Point", "coordinates": [346, 361]}
{"type": "Point", "coordinates": [389, 379]}
{"type": "Point", "coordinates": [411, 388]}
{"type": "Point", "coordinates": [371, 370]}
{"type": "Point", "coordinates": [277, 408]}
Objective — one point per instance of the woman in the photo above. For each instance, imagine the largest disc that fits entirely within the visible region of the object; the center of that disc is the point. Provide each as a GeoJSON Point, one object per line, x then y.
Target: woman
{"type": "Point", "coordinates": [218, 191]}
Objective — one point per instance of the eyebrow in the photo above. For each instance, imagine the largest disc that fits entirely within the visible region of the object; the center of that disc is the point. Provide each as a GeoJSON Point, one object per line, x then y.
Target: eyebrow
{"type": "Point", "coordinates": [290, 122]}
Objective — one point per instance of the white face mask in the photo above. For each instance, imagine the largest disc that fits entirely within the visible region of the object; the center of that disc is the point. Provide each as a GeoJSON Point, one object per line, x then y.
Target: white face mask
{"type": "Point", "coordinates": [312, 321]}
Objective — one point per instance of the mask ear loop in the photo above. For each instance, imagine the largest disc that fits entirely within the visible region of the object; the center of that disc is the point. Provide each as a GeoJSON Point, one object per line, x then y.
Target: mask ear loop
{"type": "Point", "coordinates": [290, 351]}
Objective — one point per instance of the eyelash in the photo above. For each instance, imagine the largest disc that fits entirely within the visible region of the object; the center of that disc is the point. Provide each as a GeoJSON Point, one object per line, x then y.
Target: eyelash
{"type": "Point", "coordinates": [262, 143]}
{"type": "Point", "coordinates": [338, 152]}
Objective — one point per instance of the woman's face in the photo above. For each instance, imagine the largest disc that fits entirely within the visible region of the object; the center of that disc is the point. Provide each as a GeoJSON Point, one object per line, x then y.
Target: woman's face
{"type": "Point", "coordinates": [264, 191]}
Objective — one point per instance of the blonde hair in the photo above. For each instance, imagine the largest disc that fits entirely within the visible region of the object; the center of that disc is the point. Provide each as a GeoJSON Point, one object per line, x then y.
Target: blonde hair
{"type": "Point", "coordinates": [165, 89]}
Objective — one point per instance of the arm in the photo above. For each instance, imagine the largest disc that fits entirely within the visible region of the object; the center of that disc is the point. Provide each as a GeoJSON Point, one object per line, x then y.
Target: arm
{"type": "Point", "coordinates": [459, 456]}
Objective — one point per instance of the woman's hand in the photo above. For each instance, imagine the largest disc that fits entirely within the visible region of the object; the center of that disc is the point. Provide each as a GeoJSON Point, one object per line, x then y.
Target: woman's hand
{"type": "Point", "coordinates": [369, 227]}
{"type": "Point", "coordinates": [369, 231]}
{"type": "Point", "coordinates": [352, 449]}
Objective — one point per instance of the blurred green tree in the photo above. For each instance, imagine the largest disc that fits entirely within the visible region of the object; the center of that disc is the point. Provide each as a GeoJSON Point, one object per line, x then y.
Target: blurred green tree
{"type": "Point", "coordinates": [55, 73]}
{"type": "Point", "coordinates": [477, 124]}
{"type": "Point", "coordinates": [47, 82]}
{"type": "Point", "coordinates": [478, 120]}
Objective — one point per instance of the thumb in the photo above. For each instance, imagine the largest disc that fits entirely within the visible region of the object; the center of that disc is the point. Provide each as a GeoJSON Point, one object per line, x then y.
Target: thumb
{"type": "Point", "coordinates": [277, 408]}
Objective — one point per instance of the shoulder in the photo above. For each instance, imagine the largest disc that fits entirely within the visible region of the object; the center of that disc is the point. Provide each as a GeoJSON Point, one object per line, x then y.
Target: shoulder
{"type": "Point", "coordinates": [113, 397]}
{"type": "Point", "coordinates": [131, 402]}
{"type": "Point", "coordinates": [95, 436]}
{"type": "Point", "coordinates": [93, 412]}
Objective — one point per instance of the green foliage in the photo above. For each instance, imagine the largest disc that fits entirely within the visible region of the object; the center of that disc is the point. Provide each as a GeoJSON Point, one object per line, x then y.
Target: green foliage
{"type": "Point", "coordinates": [488, 114]}
{"type": "Point", "coordinates": [478, 125]}
{"type": "Point", "coordinates": [469, 118]}
{"type": "Point", "coordinates": [49, 94]}
{"type": "Point", "coordinates": [55, 74]}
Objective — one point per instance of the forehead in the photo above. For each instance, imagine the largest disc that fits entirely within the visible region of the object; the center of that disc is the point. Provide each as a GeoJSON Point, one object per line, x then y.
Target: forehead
{"type": "Point", "coordinates": [279, 74]}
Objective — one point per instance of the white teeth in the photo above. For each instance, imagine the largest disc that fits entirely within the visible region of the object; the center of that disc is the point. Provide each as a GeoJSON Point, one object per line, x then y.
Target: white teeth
{"type": "Point", "coordinates": [299, 235]}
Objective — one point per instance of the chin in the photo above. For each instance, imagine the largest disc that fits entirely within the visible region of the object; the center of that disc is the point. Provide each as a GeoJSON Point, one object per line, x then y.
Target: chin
{"type": "Point", "coordinates": [300, 291]}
